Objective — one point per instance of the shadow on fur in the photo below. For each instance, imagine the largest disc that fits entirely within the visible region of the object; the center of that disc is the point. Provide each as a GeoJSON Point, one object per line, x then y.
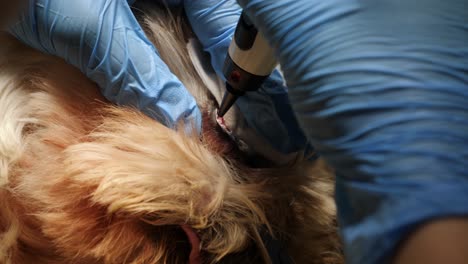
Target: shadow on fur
{"type": "Point", "coordinates": [83, 181]}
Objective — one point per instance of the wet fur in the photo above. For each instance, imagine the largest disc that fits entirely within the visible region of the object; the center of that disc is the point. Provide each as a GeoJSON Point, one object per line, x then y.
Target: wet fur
{"type": "Point", "coordinates": [83, 181]}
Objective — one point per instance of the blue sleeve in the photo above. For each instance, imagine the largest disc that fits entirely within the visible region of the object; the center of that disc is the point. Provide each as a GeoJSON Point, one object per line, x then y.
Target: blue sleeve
{"type": "Point", "coordinates": [104, 40]}
{"type": "Point", "coordinates": [381, 90]}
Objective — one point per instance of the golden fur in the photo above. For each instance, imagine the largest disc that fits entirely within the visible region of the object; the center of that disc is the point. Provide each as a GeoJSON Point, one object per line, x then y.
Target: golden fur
{"type": "Point", "coordinates": [83, 181]}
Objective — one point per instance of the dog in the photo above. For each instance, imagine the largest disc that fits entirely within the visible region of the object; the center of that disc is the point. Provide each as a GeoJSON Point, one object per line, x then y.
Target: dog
{"type": "Point", "coordinates": [9, 10]}
{"type": "Point", "coordinates": [85, 181]}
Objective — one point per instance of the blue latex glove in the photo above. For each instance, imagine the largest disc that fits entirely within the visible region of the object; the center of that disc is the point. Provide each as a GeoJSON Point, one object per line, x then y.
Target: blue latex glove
{"type": "Point", "coordinates": [267, 110]}
{"type": "Point", "coordinates": [103, 39]}
{"type": "Point", "coordinates": [381, 89]}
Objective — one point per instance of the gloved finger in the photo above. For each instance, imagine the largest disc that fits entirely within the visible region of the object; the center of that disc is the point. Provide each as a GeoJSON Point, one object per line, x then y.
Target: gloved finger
{"type": "Point", "coordinates": [214, 22]}
{"type": "Point", "coordinates": [167, 2]}
{"type": "Point", "coordinates": [103, 39]}
{"type": "Point", "coordinates": [268, 110]}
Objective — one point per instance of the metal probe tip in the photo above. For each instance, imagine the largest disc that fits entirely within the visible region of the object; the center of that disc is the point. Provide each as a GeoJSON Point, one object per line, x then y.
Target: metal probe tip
{"type": "Point", "coordinates": [228, 100]}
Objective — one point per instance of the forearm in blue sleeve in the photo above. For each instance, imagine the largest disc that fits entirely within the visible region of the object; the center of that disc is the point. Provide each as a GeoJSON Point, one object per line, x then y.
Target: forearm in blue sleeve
{"type": "Point", "coordinates": [381, 90]}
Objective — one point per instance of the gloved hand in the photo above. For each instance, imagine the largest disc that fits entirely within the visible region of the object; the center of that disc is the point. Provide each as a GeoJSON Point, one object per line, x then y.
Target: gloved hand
{"type": "Point", "coordinates": [381, 89]}
{"type": "Point", "coordinates": [103, 39]}
{"type": "Point", "coordinates": [267, 110]}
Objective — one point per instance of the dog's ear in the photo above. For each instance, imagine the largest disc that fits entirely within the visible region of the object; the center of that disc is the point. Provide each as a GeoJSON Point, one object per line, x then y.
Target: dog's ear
{"type": "Point", "coordinates": [136, 168]}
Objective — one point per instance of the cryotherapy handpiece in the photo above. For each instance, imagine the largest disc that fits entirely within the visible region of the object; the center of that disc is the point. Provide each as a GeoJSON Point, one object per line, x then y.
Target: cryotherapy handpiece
{"type": "Point", "coordinates": [250, 60]}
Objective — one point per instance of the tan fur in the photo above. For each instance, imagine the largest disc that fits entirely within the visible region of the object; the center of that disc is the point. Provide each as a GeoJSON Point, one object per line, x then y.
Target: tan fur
{"type": "Point", "coordinates": [87, 182]}
{"type": "Point", "coordinates": [171, 48]}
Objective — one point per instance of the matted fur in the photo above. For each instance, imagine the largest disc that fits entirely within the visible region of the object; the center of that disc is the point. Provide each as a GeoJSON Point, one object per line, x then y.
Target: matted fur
{"type": "Point", "coordinates": [84, 181]}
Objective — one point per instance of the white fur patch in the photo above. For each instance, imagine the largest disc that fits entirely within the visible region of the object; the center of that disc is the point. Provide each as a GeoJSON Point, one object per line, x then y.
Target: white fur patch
{"type": "Point", "coordinates": [13, 111]}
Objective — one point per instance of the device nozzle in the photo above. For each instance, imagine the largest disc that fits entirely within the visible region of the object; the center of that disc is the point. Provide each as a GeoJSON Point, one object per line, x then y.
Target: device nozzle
{"type": "Point", "coordinates": [228, 100]}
